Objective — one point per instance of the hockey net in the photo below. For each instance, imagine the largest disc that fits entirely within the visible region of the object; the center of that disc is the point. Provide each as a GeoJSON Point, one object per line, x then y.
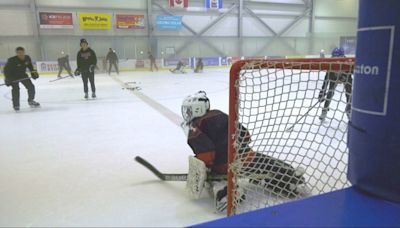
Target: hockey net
{"type": "Point", "coordinates": [288, 135]}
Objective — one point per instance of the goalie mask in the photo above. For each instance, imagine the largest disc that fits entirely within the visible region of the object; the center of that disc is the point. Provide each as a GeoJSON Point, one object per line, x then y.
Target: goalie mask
{"type": "Point", "coordinates": [196, 105]}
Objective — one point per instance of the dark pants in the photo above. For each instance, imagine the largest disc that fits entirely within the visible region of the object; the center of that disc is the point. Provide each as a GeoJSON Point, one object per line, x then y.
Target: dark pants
{"type": "Point", "coordinates": [88, 76]}
{"type": "Point", "coordinates": [115, 66]}
{"type": "Point", "coordinates": [15, 91]}
{"type": "Point", "coordinates": [65, 66]}
{"type": "Point", "coordinates": [332, 84]}
{"type": "Point", "coordinates": [153, 64]}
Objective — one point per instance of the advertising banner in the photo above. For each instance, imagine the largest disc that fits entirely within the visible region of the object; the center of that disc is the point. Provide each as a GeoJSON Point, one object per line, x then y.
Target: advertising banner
{"type": "Point", "coordinates": [95, 20]}
{"type": "Point", "coordinates": [169, 23]}
{"type": "Point", "coordinates": [125, 21]}
{"type": "Point", "coordinates": [51, 66]}
{"type": "Point", "coordinates": [56, 20]}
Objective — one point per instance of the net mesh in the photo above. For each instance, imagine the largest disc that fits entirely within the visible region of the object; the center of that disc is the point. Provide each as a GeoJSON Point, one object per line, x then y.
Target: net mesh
{"type": "Point", "coordinates": [290, 130]}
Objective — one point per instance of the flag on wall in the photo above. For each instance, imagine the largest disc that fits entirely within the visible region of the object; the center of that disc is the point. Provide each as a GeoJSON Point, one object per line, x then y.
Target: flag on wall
{"type": "Point", "coordinates": [178, 3]}
{"type": "Point", "coordinates": [213, 4]}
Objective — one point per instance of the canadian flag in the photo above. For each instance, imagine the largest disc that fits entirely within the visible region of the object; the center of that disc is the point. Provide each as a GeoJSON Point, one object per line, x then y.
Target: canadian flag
{"type": "Point", "coordinates": [178, 3]}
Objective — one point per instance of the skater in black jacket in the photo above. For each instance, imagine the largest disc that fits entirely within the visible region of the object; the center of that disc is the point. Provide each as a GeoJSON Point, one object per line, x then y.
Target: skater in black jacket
{"type": "Point", "coordinates": [15, 72]}
{"type": "Point", "coordinates": [86, 61]}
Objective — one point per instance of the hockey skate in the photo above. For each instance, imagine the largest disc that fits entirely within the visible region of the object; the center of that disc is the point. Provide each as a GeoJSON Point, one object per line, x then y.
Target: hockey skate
{"type": "Point", "coordinates": [94, 95]}
{"type": "Point", "coordinates": [220, 192]}
{"type": "Point", "coordinates": [16, 108]}
{"type": "Point", "coordinates": [86, 96]}
{"type": "Point", "coordinates": [34, 104]}
{"type": "Point", "coordinates": [323, 115]}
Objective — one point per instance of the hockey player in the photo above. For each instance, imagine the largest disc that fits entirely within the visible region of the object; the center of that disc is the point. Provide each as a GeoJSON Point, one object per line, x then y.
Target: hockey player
{"type": "Point", "coordinates": [15, 72]}
{"type": "Point", "coordinates": [63, 63]}
{"type": "Point", "coordinates": [179, 67]}
{"type": "Point", "coordinates": [332, 79]}
{"type": "Point", "coordinates": [112, 58]}
{"type": "Point", "coordinates": [86, 61]}
{"type": "Point", "coordinates": [207, 135]}
{"type": "Point", "coordinates": [322, 53]}
{"type": "Point", "coordinates": [199, 66]}
{"type": "Point", "coordinates": [152, 62]}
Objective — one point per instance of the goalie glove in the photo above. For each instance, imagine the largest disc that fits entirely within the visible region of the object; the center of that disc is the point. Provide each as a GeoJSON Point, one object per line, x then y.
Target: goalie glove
{"type": "Point", "coordinates": [196, 178]}
{"type": "Point", "coordinates": [34, 74]}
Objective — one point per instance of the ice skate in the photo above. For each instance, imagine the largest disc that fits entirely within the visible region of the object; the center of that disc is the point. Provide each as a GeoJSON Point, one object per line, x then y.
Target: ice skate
{"type": "Point", "coordinates": [34, 104]}
{"type": "Point", "coordinates": [16, 108]}
{"type": "Point", "coordinates": [86, 96]}
{"type": "Point", "coordinates": [323, 115]}
{"type": "Point", "coordinates": [94, 95]}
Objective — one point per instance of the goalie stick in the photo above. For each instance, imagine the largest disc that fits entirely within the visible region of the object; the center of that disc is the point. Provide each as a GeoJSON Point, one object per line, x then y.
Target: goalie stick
{"type": "Point", "coordinates": [161, 176]}
{"type": "Point", "coordinates": [170, 176]}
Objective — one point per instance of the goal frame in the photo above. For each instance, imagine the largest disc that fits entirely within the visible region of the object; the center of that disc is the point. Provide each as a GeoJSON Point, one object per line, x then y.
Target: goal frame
{"type": "Point", "coordinates": [312, 64]}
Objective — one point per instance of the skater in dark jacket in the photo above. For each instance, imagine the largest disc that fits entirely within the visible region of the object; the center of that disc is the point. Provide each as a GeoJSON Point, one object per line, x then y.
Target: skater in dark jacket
{"type": "Point", "coordinates": [112, 58]}
{"type": "Point", "coordinates": [15, 72]}
{"type": "Point", "coordinates": [86, 61]}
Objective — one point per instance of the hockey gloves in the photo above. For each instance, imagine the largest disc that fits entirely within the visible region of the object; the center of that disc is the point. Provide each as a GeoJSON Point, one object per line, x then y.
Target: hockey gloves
{"type": "Point", "coordinates": [7, 82]}
{"type": "Point", "coordinates": [77, 72]}
{"type": "Point", "coordinates": [34, 74]}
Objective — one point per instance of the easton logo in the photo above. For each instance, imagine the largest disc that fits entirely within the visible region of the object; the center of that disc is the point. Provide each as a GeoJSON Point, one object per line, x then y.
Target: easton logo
{"type": "Point", "coordinates": [366, 69]}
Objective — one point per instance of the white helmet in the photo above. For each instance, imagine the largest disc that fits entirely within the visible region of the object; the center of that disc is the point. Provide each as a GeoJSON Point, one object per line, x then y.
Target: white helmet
{"type": "Point", "coordinates": [196, 105]}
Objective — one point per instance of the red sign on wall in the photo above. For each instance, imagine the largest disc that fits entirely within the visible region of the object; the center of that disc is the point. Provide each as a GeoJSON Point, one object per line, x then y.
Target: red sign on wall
{"type": "Point", "coordinates": [125, 21]}
{"type": "Point", "coordinates": [56, 20]}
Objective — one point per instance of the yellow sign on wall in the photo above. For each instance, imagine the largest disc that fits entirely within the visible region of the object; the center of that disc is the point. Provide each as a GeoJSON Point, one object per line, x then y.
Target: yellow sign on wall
{"type": "Point", "coordinates": [95, 20]}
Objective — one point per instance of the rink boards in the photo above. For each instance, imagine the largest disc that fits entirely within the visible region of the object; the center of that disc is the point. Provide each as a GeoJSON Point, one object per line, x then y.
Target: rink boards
{"type": "Point", "coordinates": [342, 208]}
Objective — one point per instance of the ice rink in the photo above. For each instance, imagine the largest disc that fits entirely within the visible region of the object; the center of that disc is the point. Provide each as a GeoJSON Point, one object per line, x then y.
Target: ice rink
{"type": "Point", "coordinates": [70, 162]}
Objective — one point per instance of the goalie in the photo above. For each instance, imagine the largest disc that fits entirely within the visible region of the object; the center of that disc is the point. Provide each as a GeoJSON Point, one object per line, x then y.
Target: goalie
{"type": "Point", "coordinates": [332, 79]}
{"type": "Point", "coordinates": [207, 135]}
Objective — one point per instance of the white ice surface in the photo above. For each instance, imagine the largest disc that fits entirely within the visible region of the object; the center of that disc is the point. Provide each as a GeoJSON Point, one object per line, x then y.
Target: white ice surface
{"type": "Point", "coordinates": [70, 163]}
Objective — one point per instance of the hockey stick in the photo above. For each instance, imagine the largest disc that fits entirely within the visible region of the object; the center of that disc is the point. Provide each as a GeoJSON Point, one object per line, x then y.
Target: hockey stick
{"type": "Point", "coordinates": [304, 115]}
{"type": "Point", "coordinates": [60, 78]}
{"type": "Point", "coordinates": [20, 80]}
{"type": "Point", "coordinates": [169, 176]}
{"type": "Point", "coordinates": [161, 176]}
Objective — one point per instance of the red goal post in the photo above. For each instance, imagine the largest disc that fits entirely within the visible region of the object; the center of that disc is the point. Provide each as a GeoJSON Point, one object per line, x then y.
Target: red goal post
{"type": "Point", "coordinates": [296, 64]}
